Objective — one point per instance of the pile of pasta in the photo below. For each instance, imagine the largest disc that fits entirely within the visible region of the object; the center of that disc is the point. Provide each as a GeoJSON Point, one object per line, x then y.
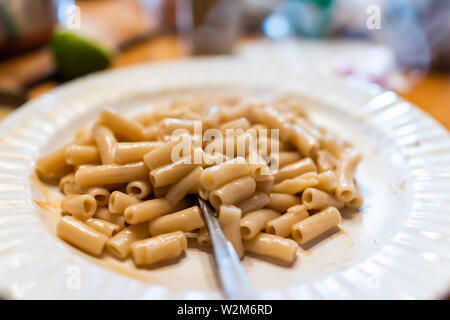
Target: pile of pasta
{"type": "Point", "coordinates": [124, 194]}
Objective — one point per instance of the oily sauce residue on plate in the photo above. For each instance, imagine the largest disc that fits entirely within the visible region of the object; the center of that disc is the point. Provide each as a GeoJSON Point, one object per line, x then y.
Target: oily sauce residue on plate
{"type": "Point", "coordinates": [51, 202]}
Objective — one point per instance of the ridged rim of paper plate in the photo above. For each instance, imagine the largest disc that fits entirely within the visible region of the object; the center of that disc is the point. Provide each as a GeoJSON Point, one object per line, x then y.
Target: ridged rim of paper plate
{"type": "Point", "coordinates": [422, 247]}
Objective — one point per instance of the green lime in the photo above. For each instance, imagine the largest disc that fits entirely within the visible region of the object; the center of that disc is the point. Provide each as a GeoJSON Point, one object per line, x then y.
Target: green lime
{"type": "Point", "coordinates": [76, 55]}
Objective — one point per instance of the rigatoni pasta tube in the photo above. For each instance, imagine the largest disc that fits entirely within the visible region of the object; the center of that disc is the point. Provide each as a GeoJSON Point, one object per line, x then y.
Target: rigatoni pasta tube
{"type": "Point", "coordinates": [80, 154]}
{"type": "Point", "coordinates": [307, 126]}
{"type": "Point", "coordinates": [229, 218]}
{"type": "Point", "coordinates": [185, 220]}
{"type": "Point", "coordinates": [265, 186]}
{"type": "Point", "coordinates": [273, 119]}
{"type": "Point", "coordinates": [101, 195]}
{"type": "Point", "coordinates": [172, 172]}
{"type": "Point", "coordinates": [104, 214]}
{"type": "Point", "coordinates": [160, 192]}
{"type": "Point", "coordinates": [53, 166]}
{"type": "Point", "coordinates": [272, 246]}
{"type": "Point", "coordinates": [297, 184]}
{"type": "Point", "coordinates": [257, 201]}
{"type": "Point", "coordinates": [106, 142]}
{"type": "Point", "coordinates": [73, 188]}
{"type": "Point", "coordinates": [149, 210]}
{"type": "Point", "coordinates": [357, 201]}
{"type": "Point", "coordinates": [179, 190]}
{"type": "Point", "coordinates": [333, 145]}
{"type": "Point", "coordinates": [254, 222]}
{"type": "Point", "coordinates": [282, 226]}
{"type": "Point", "coordinates": [282, 201]}
{"type": "Point", "coordinates": [105, 227]}
{"type": "Point", "coordinates": [233, 192]}
{"type": "Point", "coordinates": [304, 141]}
{"type": "Point", "coordinates": [240, 123]}
{"type": "Point", "coordinates": [151, 133]}
{"type": "Point", "coordinates": [80, 235]}
{"type": "Point", "coordinates": [128, 152]}
{"type": "Point", "coordinates": [317, 199]}
{"type": "Point", "coordinates": [287, 157]}
{"type": "Point", "coordinates": [295, 169]}
{"type": "Point", "coordinates": [270, 145]}
{"type": "Point", "coordinates": [139, 189]}
{"type": "Point", "coordinates": [110, 174]}
{"type": "Point", "coordinates": [156, 249]}
{"type": "Point", "coordinates": [237, 112]}
{"type": "Point", "coordinates": [213, 159]}
{"type": "Point", "coordinates": [66, 180]}
{"type": "Point", "coordinates": [120, 244]}
{"type": "Point", "coordinates": [315, 225]}
{"type": "Point", "coordinates": [216, 176]}
{"type": "Point", "coordinates": [325, 161]}
{"type": "Point", "coordinates": [129, 129]}
{"type": "Point", "coordinates": [258, 168]}
{"type": "Point", "coordinates": [119, 201]}
{"type": "Point", "coordinates": [327, 181]}
{"type": "Point", "coordinates": [345, 188]}
{"type": "Point", "coordinates": [168, 125]}
{"type": "Point", "coordinates": [81, 206]}
{"type": "Point", "coordinates": [163, 154]}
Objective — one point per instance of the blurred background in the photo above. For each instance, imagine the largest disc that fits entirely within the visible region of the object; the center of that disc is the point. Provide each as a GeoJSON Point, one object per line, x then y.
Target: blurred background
{"type": "Point", "coordinates": [403, 45]}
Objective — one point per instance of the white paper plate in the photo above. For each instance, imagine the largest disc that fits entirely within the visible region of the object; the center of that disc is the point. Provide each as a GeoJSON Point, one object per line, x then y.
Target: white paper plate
{"type": "Point", "coordinates": [397, 247]}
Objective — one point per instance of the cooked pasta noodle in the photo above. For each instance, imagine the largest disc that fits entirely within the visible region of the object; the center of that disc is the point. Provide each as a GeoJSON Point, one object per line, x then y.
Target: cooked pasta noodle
{"type": "Point", "coordinates": [139, 188]}
{"type": "Point", "coordinates": [122, 127]}
{"type": "Point", "coordinates": [317, 199]}
{"type": "Point", "coordinates": [282, 201]}
{"type": "Point", "coordinates": [185, 220]}
{"type": "Point", "coordinates": [216, 176]}
{"type": "Point", "coordinates": [297, 184]}
{"type": "Point", "coordinates": [110, 174]}
{"type": "Point", "coordinates": [103, 226]}
{"type": "Point", "coordinates": [80, 154]}
{"type": "Point", "coordinates": [229, 218]}
{"type": "Point", "coordinates": [53, 166]}
{"type": "Point", "coordinates": [120, 244]}
{"type": "Point", "coordinates": [254, 222]}
{"type": "Point", "coordinates": [257, 201]}
{"type": "Point", "coordinates": [129, 152]}
{"type": "Point", "coordinates": [295, 169]}
{"type": "Point", "coordinates": [282, 225]}
{"type": "Point", "coordinates": [346, 189]}
{"type": "Point", "coordinates": [163, 247]}
{"type": "Point", "coordinates": [270, 245]}
{"type": "Point", "coordinates": [81, 235]}
{"type": "Point", "coordinates": [315, 225]}
{"type": "Point", "coordinates": [149, 210]}
{"type": "Point", "coordinates": [80, 206]}
{"type": "Point", "coordinates": [101, 195]}
{"type": "Point", "coordinates": [104, 214]}
{"type": "Point", "coordinates": [119, 201]}
{"type": "Point", "coordinates": [233, 192]}
{"type": "Point", "coordinates": [106, 142]}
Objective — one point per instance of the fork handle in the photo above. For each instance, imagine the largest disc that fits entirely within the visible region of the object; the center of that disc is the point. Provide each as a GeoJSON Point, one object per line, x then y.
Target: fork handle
{"type": "Point", "coordinates": [233, 278]}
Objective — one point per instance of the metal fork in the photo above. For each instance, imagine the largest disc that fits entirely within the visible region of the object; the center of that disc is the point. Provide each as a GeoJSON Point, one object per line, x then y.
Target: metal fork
{"type": "Point", "coordinates": [233, 278]}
